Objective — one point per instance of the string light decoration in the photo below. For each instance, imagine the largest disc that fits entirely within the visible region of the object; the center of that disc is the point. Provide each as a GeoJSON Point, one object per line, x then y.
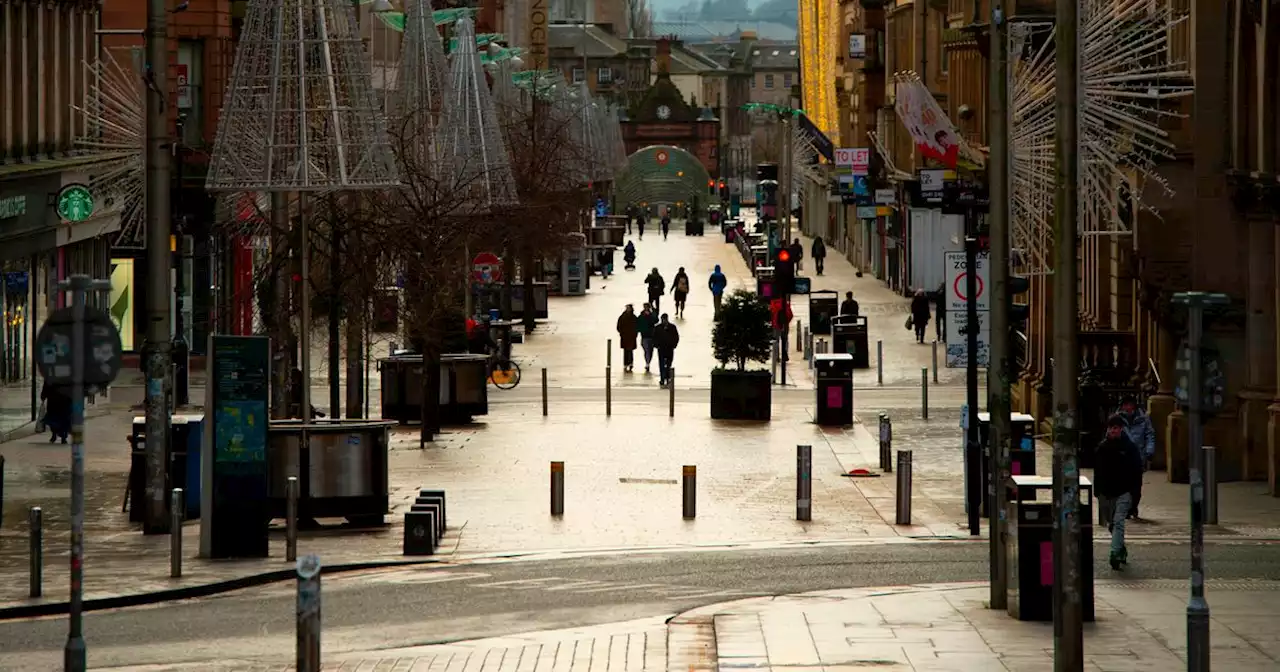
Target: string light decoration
{"type": "Point", "coordinates": [114, 115]}
{"type": "Point", "coordinates": [1129, 85]}
{"type": "Point", "coordinates": [818, 32]}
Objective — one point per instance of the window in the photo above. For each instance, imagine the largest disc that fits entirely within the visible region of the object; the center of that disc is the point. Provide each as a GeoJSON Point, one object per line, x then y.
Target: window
{"type": "Point", "coordinates": [604, 75]}
{"type": "Point", "coordinates": [786, 80]}
{"type": "Point", "coordinates": [578, 75]}
{"type": "Point", "coordinates": [189, 78]}
{"type": "Point", "coordinates": [753, 82]}
{"type": "Point", "coordinates": [768, 81]}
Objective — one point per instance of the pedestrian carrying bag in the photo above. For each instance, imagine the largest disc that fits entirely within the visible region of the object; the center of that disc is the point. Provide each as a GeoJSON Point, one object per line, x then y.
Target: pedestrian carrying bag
{"type": "Point", "coordinates": [909, 323]}
{"type": "Point", "coordinates": [40, 426]}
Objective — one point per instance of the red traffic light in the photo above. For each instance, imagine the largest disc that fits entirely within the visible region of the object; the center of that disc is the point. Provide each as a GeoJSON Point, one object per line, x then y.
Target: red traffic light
{"type": "Point", "coordinates": [722, 184]}
{"type": "Point", "coordinates": [711, 183]}
{"type": "Point", "coordinates": [784, 255]}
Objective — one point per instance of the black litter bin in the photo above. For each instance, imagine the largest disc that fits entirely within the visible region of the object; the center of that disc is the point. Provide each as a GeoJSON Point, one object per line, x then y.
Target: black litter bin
{"type": "Point", "coordinates": [834, 375]}
{"type": "Point", "coordinates": [1022, 451]}
{"type": "Point", "coordinates": [1030, 549]}
{"type": "Point", "coordinates": [764, 283]}
{"type": "Point", "coordinates": [849, 334]}
{"type": "Point", "coordinates": [824, 304]}
{"type": "Point", "coordinates": [693, 227]}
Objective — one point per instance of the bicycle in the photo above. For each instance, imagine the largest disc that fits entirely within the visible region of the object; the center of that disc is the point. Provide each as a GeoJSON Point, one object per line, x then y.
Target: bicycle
{"type": "Point", "coordinates": [504, 375]}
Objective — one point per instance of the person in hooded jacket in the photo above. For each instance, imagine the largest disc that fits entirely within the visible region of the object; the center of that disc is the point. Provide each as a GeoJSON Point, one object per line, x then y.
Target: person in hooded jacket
{"type": "Point", "coordinates": [717, 283]}
{"type": "Point", "coordinates": [920, 312]}
{"type": "Point", "coordinates": [819, 253]}
{"type": "Point", "coordinates": [1142, 433]}
{"type": "Point", "coordinates": [629, 256]}
{"type": "Point", "coordinates": [1117, 472]}
{"type": "Point", "coordinates": [628, 328]}
{"type": "Point", "coordinates": [657, 287]}
{"type": "Point", "coordinates": [680, 290]}
{"type": "Point", "coordinates": [797, 253]}
{"type": "Point", "coordinates": [666, 337]}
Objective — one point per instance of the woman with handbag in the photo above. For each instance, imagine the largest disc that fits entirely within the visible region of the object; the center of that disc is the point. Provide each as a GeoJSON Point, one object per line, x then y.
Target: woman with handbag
{"type": "Point", "coordinates": [920, 313]}
{"type": "Point", "coordinates": [57, 411]}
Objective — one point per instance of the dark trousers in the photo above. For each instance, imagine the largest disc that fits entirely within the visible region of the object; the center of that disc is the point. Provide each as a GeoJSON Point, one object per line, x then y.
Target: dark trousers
{"type": "Point", "coordinates": [817, 264]}
{"type": "Point", "coordinates": [920, 329]}
{"type": "Point", "coordinates": [666, 356]}
{"type": "Point", "coordinates": [628, 357]}
{"type": "Point", "coordinates": [654, 300]}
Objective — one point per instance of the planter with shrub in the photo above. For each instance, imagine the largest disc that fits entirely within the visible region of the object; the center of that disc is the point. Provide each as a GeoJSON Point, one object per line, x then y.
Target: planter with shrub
{"type": "Point", "coordinates": [742, 334]}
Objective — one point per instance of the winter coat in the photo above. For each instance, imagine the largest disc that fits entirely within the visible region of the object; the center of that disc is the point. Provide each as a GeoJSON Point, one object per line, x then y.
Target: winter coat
{"type": "Point", "coordinates": [920, 310]}
{"type": "Point", "coordinates": [1117, 467]}
{"type": "Point", "coordinates": [657, 286]}
{"type": "Point", "coordinates": [797, 251]}
{"type": "Point", "coordinates": [57, 404]}
{"type": "Point", "coordinates": [629, 252]}
{"type": "Point", "coordinates": [718, 282]}
{"type": "Point", "coordinates": [666, 336]}
{"type": "Point", "coordinates": [849, 307]}
{"type": "Point", "coordinates": [819, 249]}
{"type": "Point", "coordinates": [628, 328]}
{"type": "Point", "coordinates": [645, 324]}
{"type": "Point", "coordinates": [676, 286]}
{"type": "Point", "coordinates": [1140, 431]}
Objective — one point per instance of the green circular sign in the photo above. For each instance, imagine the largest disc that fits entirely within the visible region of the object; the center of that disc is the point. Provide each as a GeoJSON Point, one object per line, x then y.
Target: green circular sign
{"type": "Point", "coordinates": [75, 203]}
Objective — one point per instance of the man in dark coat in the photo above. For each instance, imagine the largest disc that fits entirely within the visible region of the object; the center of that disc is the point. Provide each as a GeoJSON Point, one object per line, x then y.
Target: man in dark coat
{"type": "Point", "coordinates": [57, 411]}
{"type": "Point", "coordinates": [819, 254]}
{"type": "Point", "coordinates": [1117, 473]}
{"type": "Point", "coordinates": [666, 337]}
{"type": "Point", "coordinates": [849, 306]}
{"type": "Point", "coordinates": [628, 328]}
{"type": "Point", "coordinates": [920, 312]}
{"type": "Point", "coordinates": [657, 287]}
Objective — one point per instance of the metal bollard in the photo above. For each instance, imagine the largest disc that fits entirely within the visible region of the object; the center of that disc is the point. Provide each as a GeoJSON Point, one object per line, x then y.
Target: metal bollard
{"type": "Point", "coordinates": [35, 517]}
{"type": "Point", "coordinates": [879, 362]}
{"type": "Point", "coordinates": [799, 336]}
{"type": "Point", "coordinates": [690, 492]}
{"type": "Point", "coordinates": [671, 393]}
{"type": "Point", "coordinates": [804, 483]}
{"type": "Point", "coordinates": [924, 393]}
{"type": "Point", "coordinates": [1210, 485]}
{"type": "Point", "coordinates": [935, 361]}
{"type": "Point", "coordinates": [608, 379]}
{"type": "Point", "coordinates": [557, 488]}
{"type": "Point", "coordinates": [886, 443]}
{"type": "Point", "coordinates": [903, 516]}
{"type": "Point", "coordinates": [808, 346]}
{"type": "Point", "coordinates": [177, 513]}
{"type": "Point", "coordinates": [308, 625]}
{"type": "Point", "coordinates": [544, 391]}
{"type": "Point", "coordinates": [291, 519]}
{"type": "Point", "coordinates": [1, 491]}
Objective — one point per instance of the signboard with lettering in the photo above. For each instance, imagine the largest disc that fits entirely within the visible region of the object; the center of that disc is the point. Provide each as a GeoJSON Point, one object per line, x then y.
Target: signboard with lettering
{"type": "Point", "coordinates": [234, 463]}
{"type": "Point", "coordinates": [13, 206]}
{"type": "Point", "coordinates": [184, 88]}
{"type": "Point", "coordinates": [538, 17]}
{"type": "Point", "coordinates": [857, 45]}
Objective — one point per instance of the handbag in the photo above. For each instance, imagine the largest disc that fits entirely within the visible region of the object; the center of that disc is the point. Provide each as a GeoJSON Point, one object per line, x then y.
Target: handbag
{"type": "Point", "coordinates": [41, 428]}
{"type": "Point", "coordinates": [910, 323]}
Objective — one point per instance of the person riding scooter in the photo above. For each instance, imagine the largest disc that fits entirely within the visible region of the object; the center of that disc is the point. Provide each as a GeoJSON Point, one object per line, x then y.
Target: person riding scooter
{"type": "Point", "coordinates": [629, 256]}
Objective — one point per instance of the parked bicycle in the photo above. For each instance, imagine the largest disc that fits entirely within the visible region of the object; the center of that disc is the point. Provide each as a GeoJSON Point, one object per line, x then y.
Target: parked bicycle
{"type": "Point", "coordinates": [503, 373]}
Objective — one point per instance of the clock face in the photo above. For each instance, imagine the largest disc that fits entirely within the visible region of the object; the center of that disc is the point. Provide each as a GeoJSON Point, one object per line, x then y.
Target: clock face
{"type": "Point", "coordinates": [664, 112]}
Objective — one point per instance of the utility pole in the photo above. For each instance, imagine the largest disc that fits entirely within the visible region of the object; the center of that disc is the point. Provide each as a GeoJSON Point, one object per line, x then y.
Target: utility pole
{"type": "Point", "coordinates": [998, 374]}
{"type": "Point", "coordinates": [1197, 606]}
{"type": "Point", "coordinates": [972, 447]}
{"type": "Point", "coordinates": [157, 367]}
{"type": "Point", "coordinates": [784, 184]}
{"type": "Point", "coordinates": [1068, 635]}
{"type": "Point", "coordinates": [335, 312]}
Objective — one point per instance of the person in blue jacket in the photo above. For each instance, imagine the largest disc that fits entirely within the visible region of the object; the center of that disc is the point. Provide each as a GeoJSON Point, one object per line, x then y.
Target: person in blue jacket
{"type": "Point", "coordinates": [1142, 434]}
{"type": "Point", "coordinates": [717, 283]}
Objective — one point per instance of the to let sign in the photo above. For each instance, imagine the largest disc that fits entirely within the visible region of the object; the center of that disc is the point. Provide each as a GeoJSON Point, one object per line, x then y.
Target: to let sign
{"type": "Point", "coordinates": [854, 158]}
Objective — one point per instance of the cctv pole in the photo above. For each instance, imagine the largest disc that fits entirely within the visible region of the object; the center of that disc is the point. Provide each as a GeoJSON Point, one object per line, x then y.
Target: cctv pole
{"type": "Point", "coordinates": [1068, 635]}
{"type": "Point", "coordinates": [998, 383]}
{"type": "Point", "coordinates": [158, 380]}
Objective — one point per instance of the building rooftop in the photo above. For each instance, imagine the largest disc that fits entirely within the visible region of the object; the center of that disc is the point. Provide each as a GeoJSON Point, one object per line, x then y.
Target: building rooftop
{"type": "Point", "coordinates": [599, 42]}
{"type": "Point", "coordinates": [699, 32]}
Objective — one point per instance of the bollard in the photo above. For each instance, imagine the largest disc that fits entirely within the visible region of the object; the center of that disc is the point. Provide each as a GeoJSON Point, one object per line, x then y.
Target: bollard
{"type": "Point", "coordinates": [557, 488]}
{"type": "Point", "coordinates": [903, 516]}
{"type": "Point", "coordinates": [177, 512]}
{"type": "Point", "coordinates": [671, 393]}
{"type": "Point", "coordinates": [924, 393]}
{"type": "Point", "coordinates": [799, 336]}
{"type": "Point", "coordinates": [804, 483]}
{"type": "Point", "coordinates": [608, 378]}
{"type": "Point", "coordinates": [35, 518]}
{"type": "Point", "coordinates": [886, 443]}
{"type": "Point", "coordinates": [608, 352]}
{"type": "Point", "coordinates": [1210, 485]}
{"type": "Point", "coordinates": [291, 519]}
{"type": "Point", "coordinates": [1, 491]}
{"type": "Point", "coordinates": [544, 391]}
{"type": "Point", "coordinates": [808, 346]}
{"type": "Point", "coordinates": [879, 362]}
{"type": "Point", "coordinates": [690, 493]}
{"type": "Point", "coordinates": [935, 361]}
{"type": "Point", "coordinates": [308, 626]}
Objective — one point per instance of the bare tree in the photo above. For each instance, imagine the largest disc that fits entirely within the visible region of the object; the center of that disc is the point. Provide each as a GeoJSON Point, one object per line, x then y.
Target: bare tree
{"type": "Point", "coordinates": [639, 18]}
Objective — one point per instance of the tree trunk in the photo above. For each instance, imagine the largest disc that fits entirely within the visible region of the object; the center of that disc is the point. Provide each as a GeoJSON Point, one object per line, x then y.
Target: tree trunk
{"type": "Point", "coordinates": [526, 272]}
{"type": "Point", "coordinates": [508, 270]}
{"type": "Point", "coordinates": [430, 391]}
{"type": "Point", "coordinates": [355, 362]}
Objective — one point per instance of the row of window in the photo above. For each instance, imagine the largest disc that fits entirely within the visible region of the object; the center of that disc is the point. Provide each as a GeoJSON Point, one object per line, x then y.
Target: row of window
{"type": "Point", "coordinates": [603, 75]}
{"type": "Point", "coordinates": [788, 79]}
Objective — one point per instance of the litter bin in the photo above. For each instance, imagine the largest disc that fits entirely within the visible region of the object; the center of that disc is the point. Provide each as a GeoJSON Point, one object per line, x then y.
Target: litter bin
{"type": "Point", "coordinates": [849, 334]}
{"type": "Point", "coordinates": [1030, 548]}
{"type": "Point", "coordinates": [693, 227]}
{"type": "Point", "coordinates": [834, 376]}
{"type": "Point", "coordinates": [182, 459]}
{"type": "Point", "coordinates": [764, 283]}
{"type": "Point", "coordinates": [1022, 451]}
{"type": "Point", "coordinates": [824, 304]}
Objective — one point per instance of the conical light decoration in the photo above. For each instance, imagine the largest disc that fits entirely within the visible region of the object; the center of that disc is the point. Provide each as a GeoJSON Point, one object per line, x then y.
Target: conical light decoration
{"type": "Point", "coordinates": [114, 112]}
{"type": "Point", "coordinates": [469, 136]}
{"type": "Point", "coordinates": [423, 84]}
{"type": "Point", "coordinates": [299, 112]}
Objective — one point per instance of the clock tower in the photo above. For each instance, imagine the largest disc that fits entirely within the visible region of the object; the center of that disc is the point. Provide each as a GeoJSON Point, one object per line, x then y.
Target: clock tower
{"type": "Point", "coordinates": [664, 117]}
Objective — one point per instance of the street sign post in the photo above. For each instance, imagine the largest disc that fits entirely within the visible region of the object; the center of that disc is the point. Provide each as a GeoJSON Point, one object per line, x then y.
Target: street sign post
{"type": "Point", "coordinates": [957, 309]}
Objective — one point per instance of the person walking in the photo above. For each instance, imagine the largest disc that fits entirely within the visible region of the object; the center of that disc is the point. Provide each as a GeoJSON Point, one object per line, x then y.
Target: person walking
{"type": "Point", "coordinates": [57, 411]}
{"type": "Point", "coordinates": [797, 253]}
{"type": "Point", "coordinates": [1138, 427]}
{"type": "Point", "coordinates": [640, 222]}
{"type": "Point", "coordinates": [666, 226]}
{"type": "Point", "coordinates": [849, 306]}
{"type": "Point", "coordinates": [645, 322]}
{"type": "Point", "coordinates": [920, 311]}
{"type": "Point", "coordinates": [717, 284]}
{"type": "Point", "coordinates": [680, 291]}
{"type": "Point", "coordinates": [665, 337]}
{"type": "Point", "coordinates": [657, 287]}
{"type": "Point", "coordinates": [628, 329]}
{"type": "Point", "coordinates": [780, 314]}
{"type": "Point", "coordinates": [607, 268]}
{"type": "Point", "coordinates": [819, 253]}
{"type": "Point", "coordinates": [1117, 473]}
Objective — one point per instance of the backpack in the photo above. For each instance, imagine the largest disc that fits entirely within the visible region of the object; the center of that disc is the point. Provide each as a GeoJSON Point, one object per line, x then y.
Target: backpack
{"type": "Point", "coordinates": [683, 285]}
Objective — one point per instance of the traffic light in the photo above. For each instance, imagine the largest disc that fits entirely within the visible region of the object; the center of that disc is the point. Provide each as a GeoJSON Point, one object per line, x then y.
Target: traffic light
{"type": "Point", "coordinates": [711, 187]}
{"type": "Point", "coordinates": [784, 272]}
{"type": "Point", "coordinates": [1019, 314]}
{"type": "Point", "coordinates": [724, 191]}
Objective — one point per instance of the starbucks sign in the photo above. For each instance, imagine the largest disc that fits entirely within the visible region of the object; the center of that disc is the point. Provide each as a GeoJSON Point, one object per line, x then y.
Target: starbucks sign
{"type": "Point", "coordinates": [75, 203]}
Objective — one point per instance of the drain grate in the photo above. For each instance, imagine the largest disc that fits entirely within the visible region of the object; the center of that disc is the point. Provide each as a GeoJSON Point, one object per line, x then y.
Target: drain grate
{"type": "Point", "coordinates": [649, 481]}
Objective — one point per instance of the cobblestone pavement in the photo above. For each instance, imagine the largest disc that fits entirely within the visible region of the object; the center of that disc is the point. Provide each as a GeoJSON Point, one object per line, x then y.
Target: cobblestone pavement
{"type": "Point", "coordinates": [941, 627]}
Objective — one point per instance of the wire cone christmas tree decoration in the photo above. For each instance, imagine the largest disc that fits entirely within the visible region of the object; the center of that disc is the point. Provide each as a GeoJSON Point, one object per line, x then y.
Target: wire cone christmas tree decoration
{"type": "Point", "coordinates": [469, 136]}
{"type": "Point", "coordinates": [422, 84]}
{"type": "Point", "coordinates": [1127, 81]}
{"type": "Point", "coordinates": [299, 112]}
{"type": "Point", "coordinates": [115, 118]}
